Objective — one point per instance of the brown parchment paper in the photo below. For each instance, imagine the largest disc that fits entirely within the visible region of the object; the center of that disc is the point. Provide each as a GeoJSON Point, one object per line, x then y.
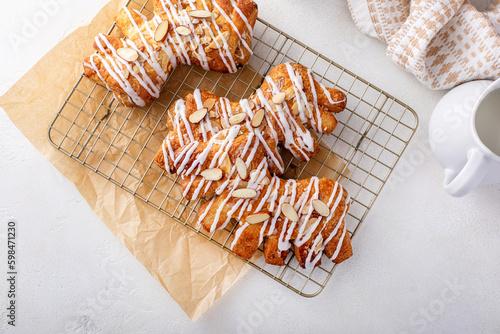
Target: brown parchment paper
{"type": "Point", "coordinates": [195, 272]}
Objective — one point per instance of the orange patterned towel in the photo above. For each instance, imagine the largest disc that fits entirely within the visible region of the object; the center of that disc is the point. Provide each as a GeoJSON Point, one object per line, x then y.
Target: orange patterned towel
{"type": "Point", "coordinates": [443, 43]}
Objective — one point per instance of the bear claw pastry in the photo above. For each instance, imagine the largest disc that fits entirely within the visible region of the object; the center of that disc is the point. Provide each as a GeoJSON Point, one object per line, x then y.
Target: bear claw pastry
{"type": "Point", "coordinates": [290, 98]}
{"type": "Point", "coordinates": [215, 35]}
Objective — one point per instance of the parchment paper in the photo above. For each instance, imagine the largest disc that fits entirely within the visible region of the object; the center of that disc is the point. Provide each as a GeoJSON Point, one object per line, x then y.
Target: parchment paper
{"type": "Point", "coordinates": [195, 272]}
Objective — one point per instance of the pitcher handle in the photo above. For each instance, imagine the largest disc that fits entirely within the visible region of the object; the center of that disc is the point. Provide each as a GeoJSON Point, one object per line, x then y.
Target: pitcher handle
{"type": "Point", "coordinates": [473, 172]}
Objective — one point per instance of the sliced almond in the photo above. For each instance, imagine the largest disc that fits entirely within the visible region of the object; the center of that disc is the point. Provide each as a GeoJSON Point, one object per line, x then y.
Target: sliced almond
{"type": "Point", "coordinates": [309, 224]}
{"type": "Point", "coordinates": [212, 174]}
{"type": "Point", "coordinates": [245, 193]}
{"type": "Point", "coordinates": [198, 115]}
{"type": "Point", "coordinates": [307, 112]}
{"type": "Point", "coordinates": [200, 14]}
{"type": "Point", "coordinates": [183, 31]}
{"type": "Point", "coordinates": [207, 31]}
{"type": "Point", "coordinates": [289, 93]}
{"type": "Point", "coordinates": [161, 31]}
{"type": "Point", "coordinates": [194, 45]}
{"type": "Point", "coordinates": [295, 109]}
{"type": "Point", "coordinates": [165, 61]}
{"type": "Point", "coordinates": [125, 73]}
{"type": "Point", "coordinates": [215, 126]}
{"type": "Point", "coordinates": [237, 119]}
{"type": "Point", "coordinates": [321, 207]}
{"type": "Point", "coordinates": [289, 212]}
{"type": "Point", "coordinates": [251, 104]}
{"type": "Point", "coordinates": [212, 114]}
{"type": "Point", "coordinates": [198, 30]}
{"type": "Point", "coordinates": [305, 209]}
{"type": "Point", "coordinates": [209, 103]}
{"type": "Point", "coordinates": [225, 163]}
{"type": "Point", "coordinates": [279, 98]}
{"type": "Point", "coordinates": [319, 244]}
{"type": "Point", "coordinates": [265, 181]}
{"type": "Point", "coordinates": [219, 40]}
{"type": "Point", "coordinates": [256, 218]}
{"type": "Point", "coordinates": [257, 118]}
{"type": "Point", "coordinates": [254, 175]}
{"type": "Point", "coordinates": [242, 184]}
{"type": "Point", "coordinates": [241, 167]}
{"type": "Point", "coordinates": [136, 69]}
{"type": "Point", "coordinates": [127, 54]}
{"type": "Point", "coordinates": [205, 39]}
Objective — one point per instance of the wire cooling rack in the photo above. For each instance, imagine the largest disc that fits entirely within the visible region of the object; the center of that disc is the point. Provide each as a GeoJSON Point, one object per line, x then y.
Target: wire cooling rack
{"type": "Point", "coordinates": [119, 143]}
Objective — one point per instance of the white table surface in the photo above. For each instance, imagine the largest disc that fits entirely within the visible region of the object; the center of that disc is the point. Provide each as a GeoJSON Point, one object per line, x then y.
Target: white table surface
{"type": "Point", "coordinates": [424, 262]}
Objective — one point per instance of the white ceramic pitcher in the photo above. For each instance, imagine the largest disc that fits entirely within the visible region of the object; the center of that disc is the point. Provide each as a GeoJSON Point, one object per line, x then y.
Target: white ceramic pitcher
{"type": "Point", "coordinates": [464, 133]}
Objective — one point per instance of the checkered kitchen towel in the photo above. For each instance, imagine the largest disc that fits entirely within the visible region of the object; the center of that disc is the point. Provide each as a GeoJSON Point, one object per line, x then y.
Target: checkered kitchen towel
{"type": "Point", "coordinates": [443, 43]}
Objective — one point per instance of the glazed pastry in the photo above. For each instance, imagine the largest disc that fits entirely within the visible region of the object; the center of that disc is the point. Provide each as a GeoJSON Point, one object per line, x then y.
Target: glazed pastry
{"type": "Point", "coordinates": [288, 99]}
{"type": "Point", "coordinates": [215, 35]}
{"type": "Point", "coordinates": [276, 212]}
{"type": "Point", "coordinates": [230, 150]}
{"type": "Point", "coordinates": [307, 213]}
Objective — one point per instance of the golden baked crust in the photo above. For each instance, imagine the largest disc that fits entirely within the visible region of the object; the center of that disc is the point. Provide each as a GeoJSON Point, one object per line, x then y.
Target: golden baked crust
{"type": "Point", "coordinates": [221, 42]}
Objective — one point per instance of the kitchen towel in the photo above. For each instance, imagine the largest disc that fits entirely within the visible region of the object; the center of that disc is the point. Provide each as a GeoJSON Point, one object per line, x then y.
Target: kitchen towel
{"type": "Point", "coordinates": [443, 43]}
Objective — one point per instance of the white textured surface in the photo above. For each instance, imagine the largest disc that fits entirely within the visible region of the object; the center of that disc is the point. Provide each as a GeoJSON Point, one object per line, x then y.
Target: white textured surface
{"type": "Point", "coordinates": [424, 262]}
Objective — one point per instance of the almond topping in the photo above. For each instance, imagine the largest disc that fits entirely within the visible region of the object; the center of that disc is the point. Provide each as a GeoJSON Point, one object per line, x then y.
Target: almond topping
{"type": "Point", "coordinates": [209, 103]}
{"type": "Point", "coordinates": [257, 218]}
{"type": "Point", "coordinates": [295, 109]}
{"type": "Point", "coordinates": [225, 163]}
{"type": "Point", "coordinates": [309, 224]}
{"type": "Point", "coordinates": [321, 207]}
{"type": "Point", "coordinates": [245, 193]}
{"type": "Point", "coordinates": [265, 181]}
{"type": "Point", "coordinates": [254, 175]}
{"type": "Point", "coordinates": [183, 31]}
{"type": "Point", "coordinates": [127, 54]}
{"type": "Point", "coordinates": [278, 98]}
{"type": "Point", "coordinates": [215, 126]}
{"type": "Point", "coordinates": [241, 167]}
{"type": "Point", "coordinates": [290, 93]}
{"type": "Point", "coordinates": [257, 118]}
{"type": "Point", "coordinates": [205, 39]}
{"type": "Point", "coordinates": [307, 112]}
{"type": "Point", "coordinates": [161, 31]}
{"type": "Point", "coordinates": [125, 73]}
{"type": "Point", "coordinates": [212, 174]}
{"type": "Point", "coordinates": [218, 41]}
{"type": "Point", "coordinates": [198, 115]}
{"type": "Point", "coordinates": [200, 14]}
{"type": "Point", "coordinates": [289, 212]}
{"type": "Point", "coordinates": [251, 104]}
{"type": "Point", "coordinates": [319, 244]}
{"type": "Point", "coordinates": [305, 209]}
{"type": "Point", "coordinates": [242, 184]}
{"type": "Point", "coordinates": [238, 118]}
{"type": "Point", "coordinates": [165, 61]}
